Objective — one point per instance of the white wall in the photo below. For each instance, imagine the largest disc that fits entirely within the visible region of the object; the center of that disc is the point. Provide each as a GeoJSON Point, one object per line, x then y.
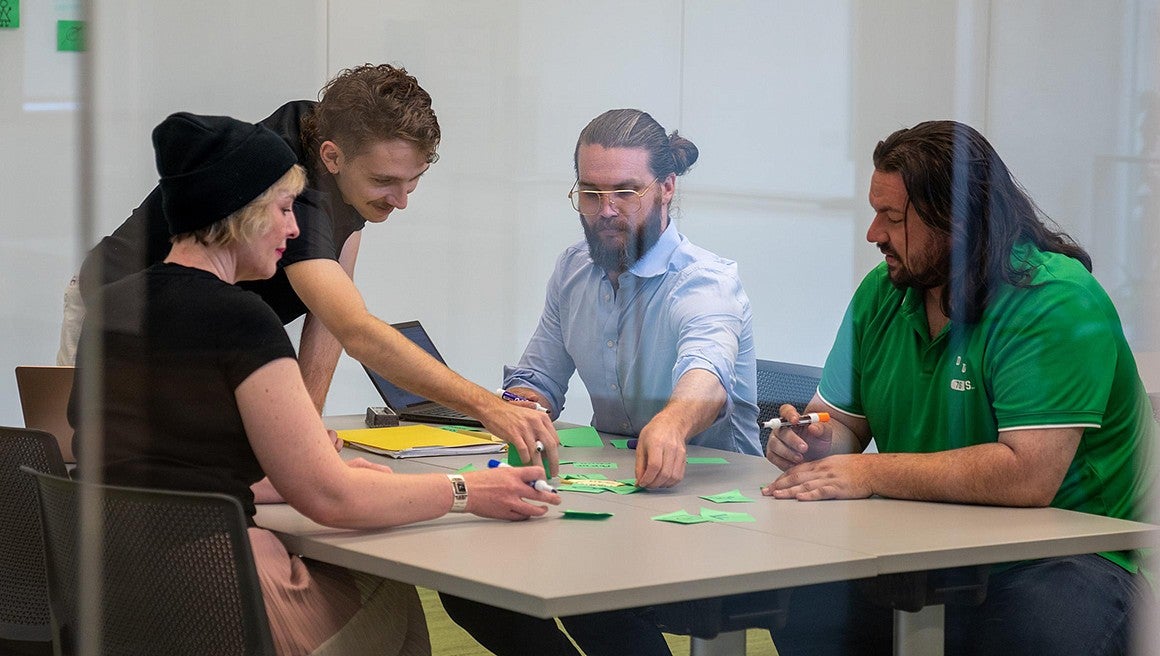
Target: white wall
{"type": "Point", "coordinates": [785, 100]}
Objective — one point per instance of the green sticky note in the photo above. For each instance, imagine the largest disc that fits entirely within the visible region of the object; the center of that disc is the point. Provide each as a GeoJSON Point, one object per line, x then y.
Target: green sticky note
{"type": "Point", "coordinates": [513, 459]}
{"type": "Point", "coordinates": [620, 444]}
{"type": "Point", "coordinates": [722, 516]}
{"type": "Point", "coordinates": [595, 465]}
{"type": "Point", "coordinates": [70, 36]}
{"type": "Point", "coordinates": [732, 496]}
{"type": "Point", "coordinates": [565, 462]}
{"type": "Point", "coordinates": [583, 514]}
{"type": "Point", "coordinates": [580, 436]}
{"type": "Point", "coordinates": [584, 477]}
{"type": "Point", "coordinates": [466, 468]}
{"type": "Point", "coordinates": [706, 461]}
{"type": "Point", "coordinates": [627, 488]}
{"type": "Point", "coordinates": [681, 517]}
{"type": "Point", "coordinates": [590, 489]}
{"type": "Point", "coordinates": [10, 14]}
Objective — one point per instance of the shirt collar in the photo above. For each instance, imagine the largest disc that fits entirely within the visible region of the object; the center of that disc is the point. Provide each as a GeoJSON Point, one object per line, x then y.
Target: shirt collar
{"type": "Point", "coordinates": [656, 259]}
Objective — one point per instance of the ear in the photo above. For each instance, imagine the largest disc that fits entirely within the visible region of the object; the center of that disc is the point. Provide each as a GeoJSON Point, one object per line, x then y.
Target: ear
{"type": "Point", "coordinates": [331, 155]}
{"type": "Point", "coordinates": [668, 188]}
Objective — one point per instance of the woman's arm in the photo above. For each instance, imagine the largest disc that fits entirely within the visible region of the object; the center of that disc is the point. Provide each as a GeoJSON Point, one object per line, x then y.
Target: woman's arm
{"type": "Point", "coordinates": [293, 448]}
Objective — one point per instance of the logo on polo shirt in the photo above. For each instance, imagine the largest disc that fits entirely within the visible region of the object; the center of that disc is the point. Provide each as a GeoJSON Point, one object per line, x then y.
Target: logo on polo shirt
{"type": "Point", "coordinates": [961, 384]}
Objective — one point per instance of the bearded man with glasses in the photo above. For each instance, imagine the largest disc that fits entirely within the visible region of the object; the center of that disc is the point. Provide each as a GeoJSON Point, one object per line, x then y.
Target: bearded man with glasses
{"type": "Point", "coordinates": [660, 332]}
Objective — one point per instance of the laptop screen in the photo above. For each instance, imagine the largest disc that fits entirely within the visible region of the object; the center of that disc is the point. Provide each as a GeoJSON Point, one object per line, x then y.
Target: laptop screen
{"type": "Point", "coordinates": [397, 397]}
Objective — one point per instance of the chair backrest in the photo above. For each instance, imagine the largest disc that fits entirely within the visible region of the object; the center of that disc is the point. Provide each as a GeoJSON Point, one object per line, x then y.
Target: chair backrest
{"type": "Point", "coordinates": [177, 574]}
{"type": "Point", "coordinates": [44, 393]}
{"type": "Point", "coordinates": [24, 613]}
{"type": "Point", "coordinates": [783, 382]}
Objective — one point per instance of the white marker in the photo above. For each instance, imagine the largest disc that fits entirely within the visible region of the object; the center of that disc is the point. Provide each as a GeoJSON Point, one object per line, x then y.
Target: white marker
{"type": "Point", "coordinates": [541, 485]}
{"type": "Point", "coordinates": [804, 420]}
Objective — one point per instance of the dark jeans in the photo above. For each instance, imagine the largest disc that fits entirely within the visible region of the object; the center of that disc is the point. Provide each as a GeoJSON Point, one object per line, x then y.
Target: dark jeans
{"type": "Point", "coordinates": [1071, 605]}
{"type": "Point", "coordinates": [506, 633]}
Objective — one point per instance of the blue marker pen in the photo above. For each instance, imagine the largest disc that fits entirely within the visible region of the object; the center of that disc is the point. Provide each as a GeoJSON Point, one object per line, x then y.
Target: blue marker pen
{"type": "Point", "coordinates": [540, 485]}
{"type": "Point", "coordinates": [508, 396]}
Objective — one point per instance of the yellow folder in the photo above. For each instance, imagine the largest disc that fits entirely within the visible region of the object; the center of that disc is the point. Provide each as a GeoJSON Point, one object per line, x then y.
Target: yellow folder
{"type": "Point", "coordinates": [421, 440]}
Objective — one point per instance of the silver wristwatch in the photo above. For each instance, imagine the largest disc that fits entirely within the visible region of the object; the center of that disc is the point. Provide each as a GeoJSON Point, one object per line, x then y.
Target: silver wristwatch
{"type": "Point", "coordinates": [459, 490]}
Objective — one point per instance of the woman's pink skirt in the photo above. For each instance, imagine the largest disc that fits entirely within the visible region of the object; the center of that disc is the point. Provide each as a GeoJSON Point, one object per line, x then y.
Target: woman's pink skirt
{"type": "Point", "coordinates": [319, 609]}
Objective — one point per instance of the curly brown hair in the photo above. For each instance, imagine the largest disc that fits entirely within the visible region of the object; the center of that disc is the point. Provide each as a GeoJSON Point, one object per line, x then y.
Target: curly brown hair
{"type": "Point", "coordinates": [367, 104]}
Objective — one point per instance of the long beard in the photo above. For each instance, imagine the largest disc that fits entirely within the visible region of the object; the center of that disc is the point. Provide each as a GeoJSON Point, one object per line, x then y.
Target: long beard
{"type": "Point", "coordinates": [639, 241]}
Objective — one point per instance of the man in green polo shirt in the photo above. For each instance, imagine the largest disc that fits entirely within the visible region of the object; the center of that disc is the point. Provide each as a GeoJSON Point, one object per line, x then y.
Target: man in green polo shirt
{"type": "Point", "coordinates": [990, 367]}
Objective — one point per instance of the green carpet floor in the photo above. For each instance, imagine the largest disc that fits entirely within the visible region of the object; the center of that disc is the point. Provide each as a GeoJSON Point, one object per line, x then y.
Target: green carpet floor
{"type": "Point", "coordinates": [447, 639]}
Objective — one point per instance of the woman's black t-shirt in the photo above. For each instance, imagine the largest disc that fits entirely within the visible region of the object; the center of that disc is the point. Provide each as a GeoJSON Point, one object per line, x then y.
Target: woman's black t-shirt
{"type": "Point", "coordinates": [178, 341]}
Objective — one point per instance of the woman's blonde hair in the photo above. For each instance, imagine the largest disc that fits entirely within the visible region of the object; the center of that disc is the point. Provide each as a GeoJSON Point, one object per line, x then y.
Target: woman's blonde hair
{"type": "Point", "coordinates": [251, 220]}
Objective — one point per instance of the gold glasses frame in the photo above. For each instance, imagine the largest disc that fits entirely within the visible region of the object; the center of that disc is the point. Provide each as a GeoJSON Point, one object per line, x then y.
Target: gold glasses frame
{"type": "Point", "coordinates": [621, 200]}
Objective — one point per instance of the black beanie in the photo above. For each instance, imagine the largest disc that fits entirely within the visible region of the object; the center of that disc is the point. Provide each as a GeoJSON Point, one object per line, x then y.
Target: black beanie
{"type": "Point", "coordinates": [213, 166]}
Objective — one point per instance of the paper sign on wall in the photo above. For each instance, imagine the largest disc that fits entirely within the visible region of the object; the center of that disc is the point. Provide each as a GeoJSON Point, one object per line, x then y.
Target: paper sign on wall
{"type": "Point", "coordinates": [70, 36]}
{"type": "Point", "coordinates": [9, 14]}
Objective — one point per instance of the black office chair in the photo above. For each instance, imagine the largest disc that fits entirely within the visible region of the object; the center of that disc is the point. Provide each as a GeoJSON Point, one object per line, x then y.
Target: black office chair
{"type": "Point", "coordinates": [177, 573]}
{"type": "Point", "coordinates": [24, 613]}
{"type": "Point", "coordinates": [783, 382]}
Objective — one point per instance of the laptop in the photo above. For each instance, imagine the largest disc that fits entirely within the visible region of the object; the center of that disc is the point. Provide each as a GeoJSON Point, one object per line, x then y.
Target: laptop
{"type": "Point", "coordinates": [410, 406]}
{"type": "Point", "coordinates": [44, 393]}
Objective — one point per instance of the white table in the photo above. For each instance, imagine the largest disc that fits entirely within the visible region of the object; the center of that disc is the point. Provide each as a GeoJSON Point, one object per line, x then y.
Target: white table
{"type": "Point", "coordinates": [549, 566]}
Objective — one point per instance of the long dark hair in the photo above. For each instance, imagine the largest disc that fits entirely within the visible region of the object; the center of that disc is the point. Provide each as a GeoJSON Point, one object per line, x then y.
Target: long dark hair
{"type": "Point", "coordinates": [960, 187]}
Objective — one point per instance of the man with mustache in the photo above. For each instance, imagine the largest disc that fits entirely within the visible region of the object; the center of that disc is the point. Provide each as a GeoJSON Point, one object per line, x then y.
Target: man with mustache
{"type": "Point", "coordinates": [660, 332]}
{"type": "Point", "coordinates": [365, 144]}
{"type": "Point", "coordinates": [991, 368]}
{"type": "Point", "coordinates": [659, 329]}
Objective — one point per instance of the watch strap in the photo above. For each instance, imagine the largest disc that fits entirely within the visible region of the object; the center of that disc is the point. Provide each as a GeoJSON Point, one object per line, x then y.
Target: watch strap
{"type": "Point", "coordinates": [459, 492]}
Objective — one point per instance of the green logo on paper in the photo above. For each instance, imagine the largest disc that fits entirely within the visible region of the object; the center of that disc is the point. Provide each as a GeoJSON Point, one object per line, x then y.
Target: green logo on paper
{"type": "Point", "coordinates": [70, 36]}
{"type": "Point", "coordinates": [9, 13]}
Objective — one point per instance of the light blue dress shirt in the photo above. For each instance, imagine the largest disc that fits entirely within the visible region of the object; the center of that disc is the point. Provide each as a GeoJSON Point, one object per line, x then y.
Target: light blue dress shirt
{"type": "Point", "coordinates": [678, 308]}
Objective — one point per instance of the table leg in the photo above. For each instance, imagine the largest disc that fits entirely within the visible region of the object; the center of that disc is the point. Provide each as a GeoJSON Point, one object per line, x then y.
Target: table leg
{"type": "Point", "coordinates": [919, 633]}
{"type": "Point", "coordinates": [731, 643]}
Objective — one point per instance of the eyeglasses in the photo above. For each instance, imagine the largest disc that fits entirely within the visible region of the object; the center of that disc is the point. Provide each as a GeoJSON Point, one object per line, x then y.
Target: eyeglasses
{"type": "Point", "coordinates": [590, 202]}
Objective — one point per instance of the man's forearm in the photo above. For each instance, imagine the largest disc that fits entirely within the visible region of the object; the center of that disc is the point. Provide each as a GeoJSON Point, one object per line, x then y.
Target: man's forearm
{"type": "Point", "coordinates": [332, 297]}
{"type": "Point", "coordinates": [696, 402]}
{"type": "Point", "coordinates": [318, 354]}
{"type": "Point", "coordinates": [388, 352]}
{"type": "Point", "coordinates": [987, 474]}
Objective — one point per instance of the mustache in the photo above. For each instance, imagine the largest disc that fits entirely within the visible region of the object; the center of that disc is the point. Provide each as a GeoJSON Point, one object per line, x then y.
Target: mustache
{"type": "Point", "coordinates": [886, 250]}
{"type": "Point", "coordinates": [610, 223]}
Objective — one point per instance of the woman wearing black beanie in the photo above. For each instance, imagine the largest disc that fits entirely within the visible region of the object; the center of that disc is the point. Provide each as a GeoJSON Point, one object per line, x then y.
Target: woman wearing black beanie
{"type": "Point", "coordinates": [203, 393]}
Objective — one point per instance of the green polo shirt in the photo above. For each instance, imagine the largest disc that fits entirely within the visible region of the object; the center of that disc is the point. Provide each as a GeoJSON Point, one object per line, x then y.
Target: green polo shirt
{"type": "Point", "coordinates": [1052, 354]}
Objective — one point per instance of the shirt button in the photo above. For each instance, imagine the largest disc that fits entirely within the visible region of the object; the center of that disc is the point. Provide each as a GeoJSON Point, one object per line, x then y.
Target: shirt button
{"type": "Point", "coordinates": [615, 386]}
{"type": "Point", "coordinates": [607, 297]}
{"type": "Point", "coordinates": [611, 343]}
